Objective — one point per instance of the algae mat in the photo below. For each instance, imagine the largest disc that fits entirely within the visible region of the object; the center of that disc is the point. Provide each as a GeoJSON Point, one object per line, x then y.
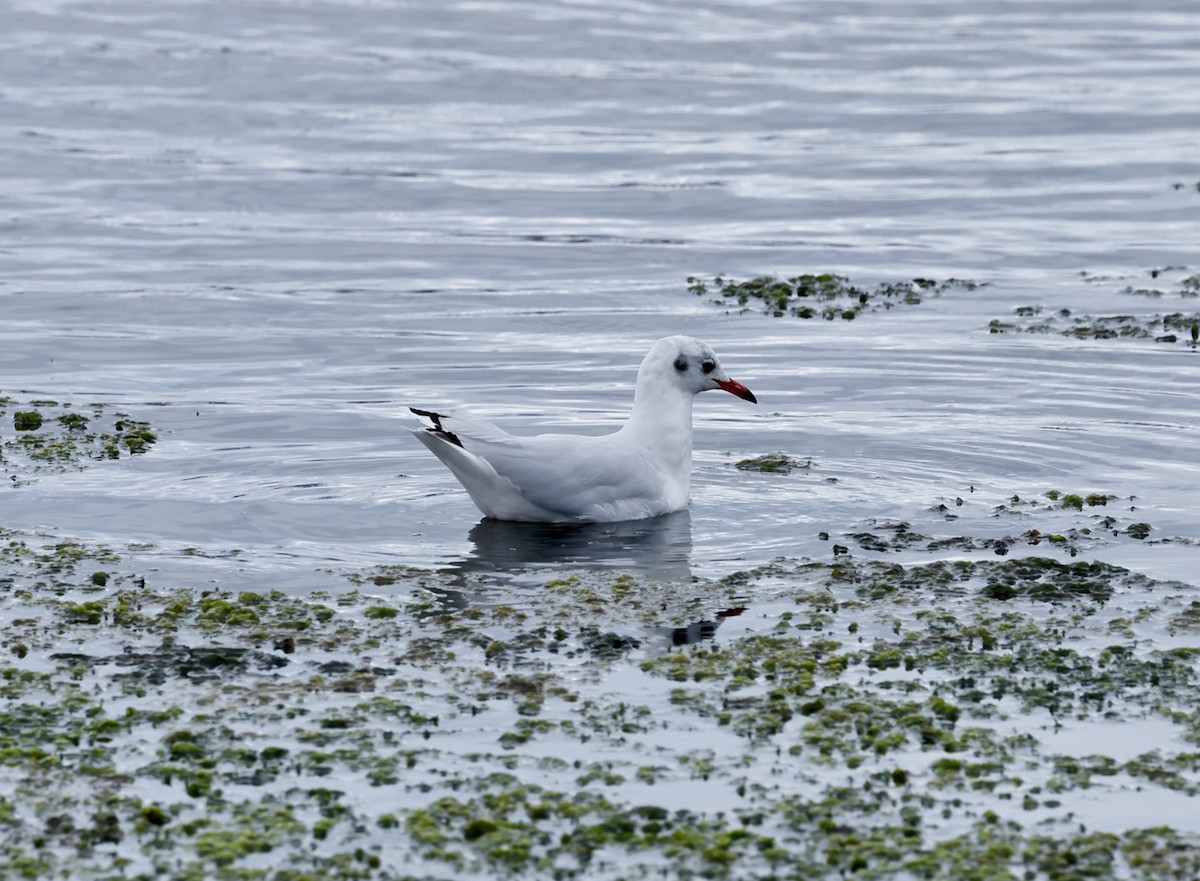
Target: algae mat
{"type": "Point", "coordinates": [986, 717]}
{"type": "Point", "coordinates": [916, 705]}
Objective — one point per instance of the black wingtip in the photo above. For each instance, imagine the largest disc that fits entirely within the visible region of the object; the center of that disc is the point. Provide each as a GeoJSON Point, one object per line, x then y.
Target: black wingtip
{"type": "Point", "coordinates": [436, 419]}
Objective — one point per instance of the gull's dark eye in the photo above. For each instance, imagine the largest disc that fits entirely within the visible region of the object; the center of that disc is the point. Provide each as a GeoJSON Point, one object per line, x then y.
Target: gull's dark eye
{"type": "Point", "coordinates": [708, 365]}
{"type": "Point", "coordinates": [681, 364]}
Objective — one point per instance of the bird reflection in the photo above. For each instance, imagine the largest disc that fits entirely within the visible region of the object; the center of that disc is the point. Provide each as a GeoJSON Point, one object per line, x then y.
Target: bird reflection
{"type": "Point", "coordinates": [667, 638]}
{"type": "Point", "coordinates": [656, 548]}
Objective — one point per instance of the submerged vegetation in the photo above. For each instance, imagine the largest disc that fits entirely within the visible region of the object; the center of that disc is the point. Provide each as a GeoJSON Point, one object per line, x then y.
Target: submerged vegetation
{"type": "Point", "coordinates": [1170, 327]}
{"type": "Point", "coordinates": [1005, 706]}
{"type": "Point", "coordinates": [776, 463]}
{"type": "Point", "coordinates": [1179, 326]}
{"type": "Point", "coordinates": [49, 437]}
{"type": "Point", "coordinates": [968, 717]}
{"type": "Point", "coordinates": [825, 295]}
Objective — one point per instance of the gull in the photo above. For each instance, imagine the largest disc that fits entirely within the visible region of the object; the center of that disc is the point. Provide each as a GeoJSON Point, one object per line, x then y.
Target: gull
{"type": "Point", "coordinates": [641, 470]}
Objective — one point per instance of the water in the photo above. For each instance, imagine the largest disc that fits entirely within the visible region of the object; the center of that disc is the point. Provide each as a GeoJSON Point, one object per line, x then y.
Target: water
{"type": "Point", "coordinates": [269, 227]}
{"type": "Point", "coordinates": [288, 221]}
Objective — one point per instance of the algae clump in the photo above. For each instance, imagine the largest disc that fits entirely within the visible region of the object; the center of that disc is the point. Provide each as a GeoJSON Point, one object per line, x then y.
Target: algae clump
{"type": "Point", "coordinates": [27, 420]}
{"type": "Point", "coordinates": [775, 463]}
{"type": "Point", "coordinates": [825, 294]}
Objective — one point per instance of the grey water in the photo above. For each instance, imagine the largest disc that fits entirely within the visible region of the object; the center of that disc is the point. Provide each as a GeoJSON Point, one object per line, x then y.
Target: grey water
{"type": "Point", "coordinates": [269, 227]}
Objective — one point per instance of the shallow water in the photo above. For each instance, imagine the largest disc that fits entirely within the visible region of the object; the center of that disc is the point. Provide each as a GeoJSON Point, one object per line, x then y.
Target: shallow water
{"type": "Point", "coordinates": [270, 230]}
{"type": "Point", "coordinates": [287, 222]}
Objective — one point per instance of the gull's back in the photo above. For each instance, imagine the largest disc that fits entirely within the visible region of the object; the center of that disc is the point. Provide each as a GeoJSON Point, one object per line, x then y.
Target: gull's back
{"type": "Point", "coordinates": [551, 477]}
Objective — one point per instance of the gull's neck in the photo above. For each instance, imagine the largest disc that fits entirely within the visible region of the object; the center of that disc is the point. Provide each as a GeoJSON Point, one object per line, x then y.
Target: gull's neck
{"type": "Point", "coordinates": [661, 422]}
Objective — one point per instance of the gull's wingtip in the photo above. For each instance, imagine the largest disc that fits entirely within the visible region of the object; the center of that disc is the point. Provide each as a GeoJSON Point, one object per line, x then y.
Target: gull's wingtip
{"type": "Point", "coordinates": [438, 430]}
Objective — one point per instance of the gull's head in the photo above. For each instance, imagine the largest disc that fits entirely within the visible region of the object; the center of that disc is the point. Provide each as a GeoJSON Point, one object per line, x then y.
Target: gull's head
{"type": "Point", "coordinates": [690, 365]}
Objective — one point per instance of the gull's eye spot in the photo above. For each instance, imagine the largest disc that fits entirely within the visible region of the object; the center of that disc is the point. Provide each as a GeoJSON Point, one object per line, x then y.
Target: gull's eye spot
{"type": "Point", "coordinates": [708, 365]}
{"type": "Point", "coordinates": [681, 364]}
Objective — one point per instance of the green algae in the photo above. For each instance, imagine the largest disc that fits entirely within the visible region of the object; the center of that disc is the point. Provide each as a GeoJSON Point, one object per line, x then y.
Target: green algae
{"type": "Point", "coordinates": [1076, 501]}
{"type": "Point", "coordinates": [773, 463]}
{"type": "Point", "coordinates": [525, 827]}
{"type": "Point", "coordinates": [52, 444]}
{"type": "Point", "coordinates": [1168, 327]}
{"type": "Point", "coordinates": [27, 420]}
{"type": "Point", "coordinates": [74, 421]}
{"type": "Point", "coordinates": [1160, 327]}
{"type": "Point", "coordinates": [1185, 286]}
{"type": "Point", "coordinates": [866, 720]}
{"type": "Point", "coordinates": [1138, 530]}
{"type": "Point", "coordinates": [824, 295]}
{"type": "Point", "coordinates": [1090, 532]}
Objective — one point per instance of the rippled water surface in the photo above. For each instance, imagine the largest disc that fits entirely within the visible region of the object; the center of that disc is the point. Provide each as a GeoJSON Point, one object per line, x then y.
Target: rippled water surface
{"type": "Point", "coordinates": [285, 222]}
{"type": "Point", "coordinates": [269, 227]}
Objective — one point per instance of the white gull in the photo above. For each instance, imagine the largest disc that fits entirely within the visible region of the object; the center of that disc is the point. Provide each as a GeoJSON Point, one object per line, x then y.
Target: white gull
{"type": "Point", "coordinates": [641, 470]}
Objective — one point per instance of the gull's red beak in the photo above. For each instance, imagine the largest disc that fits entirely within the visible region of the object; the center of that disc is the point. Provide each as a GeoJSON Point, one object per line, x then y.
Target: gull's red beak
{"type": "Point", "coordinates": [736, 388]}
